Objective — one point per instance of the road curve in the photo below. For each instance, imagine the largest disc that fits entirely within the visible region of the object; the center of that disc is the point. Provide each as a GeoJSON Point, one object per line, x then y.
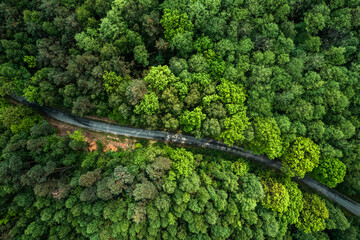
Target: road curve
{"type": "Point", "coordinates": [331, 194]}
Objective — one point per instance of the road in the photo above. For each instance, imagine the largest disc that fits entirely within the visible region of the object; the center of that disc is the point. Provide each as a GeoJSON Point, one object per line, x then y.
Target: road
{"type": "Point", "coordinates": [329, 193]}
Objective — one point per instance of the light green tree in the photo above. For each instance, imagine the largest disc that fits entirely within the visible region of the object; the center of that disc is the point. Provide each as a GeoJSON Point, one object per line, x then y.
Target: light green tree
{"type": "Point", "coordinates": [112, 81]}
{"type": "Point", "coordinates": [192, 120]}
{"type": "Point", "coordinates": [174, 22]}
{"type": "Point", "coordinates": [183, 162]}
{"type": "Point", "coordinates": [276, 195]}
{"type": "Point", "coordinates": [313, 216]}
{"type": "Point", "coordinates": [234, 128]}
{"type": "Point", "coordinates": [159, 77]}
{"type": "Point", "coordinates": [267, 137]}
{"type": "Point", "coordinates": [148, 105]}
{"type": "Point", "coordinates": [302, 156]}
{"type": "Point", "coordinates": [295, 201]}
{"type": "Point", "coordinates": [231, 93]}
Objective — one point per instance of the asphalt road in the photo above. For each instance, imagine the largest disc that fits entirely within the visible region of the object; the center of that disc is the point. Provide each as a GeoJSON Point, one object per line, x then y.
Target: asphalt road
{"type": "Point", "coordinates": [329, 193]}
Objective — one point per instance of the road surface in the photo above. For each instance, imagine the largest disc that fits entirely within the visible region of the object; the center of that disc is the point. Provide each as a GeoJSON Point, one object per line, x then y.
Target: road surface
{"type": "Point", "coordinates": [331, 194]}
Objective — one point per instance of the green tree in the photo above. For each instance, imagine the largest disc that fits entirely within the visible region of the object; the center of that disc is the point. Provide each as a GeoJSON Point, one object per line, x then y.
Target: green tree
{"type": "Point", "coordinates": [252, 187]}
{"type": "Point", "coordinates": [234, 128]}
{"type": "Point", "coordinates": [240, 167]}
{"type": "Point", "coordinates": [192, 120]}
{"type": "Point", "coordinates": [194, 96]}
{"type": "Point", "coordinates": [302, 156]}
{"type": "Point", "coordinates": [18, 118]}
{"type": "Point", "coordinates": [35, 230]}
{"type": "Point", "coordinates": [182, 43]}
{"type": "Point", "coordinates": [177, 65]}
{"type": "Point", "coordinates": [295, 201]}
{"type": "Point", "coordinates": [77, 136]}
{"type": "Point", "coordinates": [316, 19]}
{"type": "Point", "coordinates": [337, 219]}
{"type": "Point", "coordinates": [335, 56]}
{"type": "Point", "coordinates": [331, 172]}
{"type": "Point", "coordinates": [30, 60]}
{"type": "Point", "coordinates": [148, 105]}
{"type": "Point", "coordinates": [78, 140]}
{"type": "Point", "coordinates": [215, 110]}
{"type": "Point", "coordinates": [113, 25]}
{"type": "Point", "coordinates": [174, 22]}
{"type": "Point", "coordinates": [211, 127]}
{"type": "Point", "coordinates": [141, 55]}
{"type": "Point", "coordinates": [42, 129]}
{"type": "Point", "coordinates": [267, 138]}
{"type": "Point", "coordinates": [111, 81]}
{"type": "Point", "coordinates": [313, 216]}
{"type": "Point", "coordinates": [170, 122]}
{"type": "Point", "coordinates": [198, 64]}
{"type": "Point", "coordinates": [89, 178]}
{"type": "Point", "coordinates": [183, 162]}
{"type": "Point", "coordinates": [159, 77]}
{"type": "Point", "coordinates": [88, 40]}
{"type": "Point", "coordinates": [276, 195]}
{"type": "Point", "coordinates": [145, 190]}
{"type": "Point", "coordinates": [231, 93]}
{"type": "Point", "coordinates": [313, 44]}
{"type": "Point", "coordinates": [158, 168]}
{"type": "Point", "coordinates": [136, 91]}
{"type": "Point", "coordinates": [11, 78]}
{"type": "Point", "coordinates": [82, 106]}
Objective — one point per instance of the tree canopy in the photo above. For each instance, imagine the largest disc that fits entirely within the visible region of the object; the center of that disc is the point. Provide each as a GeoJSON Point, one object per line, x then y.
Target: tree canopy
{"type": "Point", "coordinates": [279, 78]}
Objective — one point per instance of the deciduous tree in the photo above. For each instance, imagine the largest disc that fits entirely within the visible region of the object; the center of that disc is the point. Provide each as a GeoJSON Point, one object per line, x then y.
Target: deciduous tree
{"type": "Point", "coordinates": [302, 156]}
{"type": "Point", "coordinates": [267, 138]}
{"type": "Point", "coordinates": [313, 216]}
{"type": "Point", "coordinates": [192, 120]}
{"type": "Point", "coordinates": [331, 171]}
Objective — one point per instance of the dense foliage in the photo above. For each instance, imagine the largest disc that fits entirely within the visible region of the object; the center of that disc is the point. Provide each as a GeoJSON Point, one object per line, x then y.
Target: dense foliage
{"type": "Point", "coordinates": [53, 189]}
{"type": "Point", "coordinates": [280, 78]}
{"type": "Point", "coordinates": [262, 74]}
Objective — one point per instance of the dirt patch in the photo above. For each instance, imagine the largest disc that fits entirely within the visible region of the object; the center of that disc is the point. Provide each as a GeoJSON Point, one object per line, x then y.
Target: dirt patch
{"type": "Point", "coordinates": [110, 142]}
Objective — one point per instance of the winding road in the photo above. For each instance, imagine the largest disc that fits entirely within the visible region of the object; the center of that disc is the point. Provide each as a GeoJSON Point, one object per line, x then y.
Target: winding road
{"type": "Point", "coordinates": [331, 194]}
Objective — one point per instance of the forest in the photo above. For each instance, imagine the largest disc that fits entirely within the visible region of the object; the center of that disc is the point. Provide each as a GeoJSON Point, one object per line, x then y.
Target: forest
{"type": "Point", "coordinates": [277, 77]}
{"type": "Point", "coordinates": [53, 188]}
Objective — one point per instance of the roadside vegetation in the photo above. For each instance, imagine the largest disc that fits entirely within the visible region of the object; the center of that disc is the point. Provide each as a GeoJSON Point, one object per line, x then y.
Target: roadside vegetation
{"type": "Point", "coordinates": [54, 187]}
{"type": "Point", "coordinates": [280, 78]}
